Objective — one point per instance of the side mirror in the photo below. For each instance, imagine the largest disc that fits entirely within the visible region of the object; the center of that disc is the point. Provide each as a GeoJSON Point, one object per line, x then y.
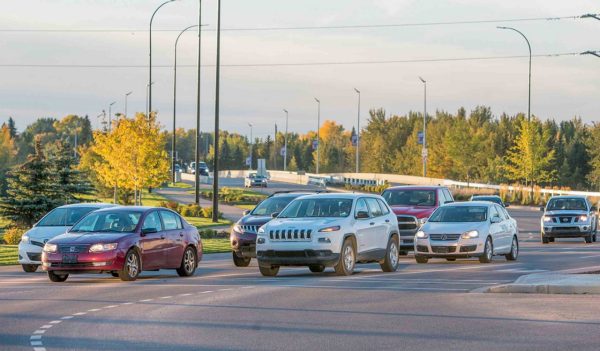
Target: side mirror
{"type": "Point", "coordinates": [543, 208]}
{"type": "Point", "coordinates": [506, 204]}
{"type": "Point", "coordinates": [594, 209]}
{"type": "Point", "coordinates": [246, 212]}
{"type": "Point", "coordinates": [496, 219]}
{"type": "Point", "coordinates": [362, 215]}
{"type": "Point", "coordinates": [274, 214]}
{"type": "Point", "coordinates": [149, 231]}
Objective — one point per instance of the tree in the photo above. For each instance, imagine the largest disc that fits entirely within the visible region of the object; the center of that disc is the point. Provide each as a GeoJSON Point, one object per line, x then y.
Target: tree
{"type": "Point", "coordinates": [12, 128]}
{"type": "Point", "coordinates": [8, 151]}
{"type": "Point", "coordinates": [68, 181]}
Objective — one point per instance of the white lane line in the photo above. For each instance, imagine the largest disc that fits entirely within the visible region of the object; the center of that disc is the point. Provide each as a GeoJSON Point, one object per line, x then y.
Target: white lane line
{"type": "Point", "coordinates": [110, 306]}
{"type": "Point", "coordinates": [39, 331]}
{"type": "Point", "coordinates": [66, 317]}
{"type": "Point", "coordinates": [166, 297]}
{"type": "Point", "coordinates": [79, 313]}
{"type": "Point", "coordinates": [146, 300]}
{"type": "Point", "coordinates": [185, 295]}
{"type": "Point", "coordinates": [206, 292]}
{"type": "Point", "coordinates": [228, 289]}
{"type": "Point", "coordinates": [55, 322]}
{"type": "Point", "coordinates": [39, 349]}
{"type": "Point", "coordinates": [46, 326]}
{"type": "Point", "coordinates": [590, 256]}
{"type": "Point", "coordinates": [94, 310]}
{"type": "Point", "coordinates": [248, 287]}
{"type": "Point", "coordinates": [365, 288]}
{"type": "Point", "coordinates": [35, 337]}
{"type": "Point", "coordinates": [36, 343]}
{"type": "Point", "coordinates": [127, 303]}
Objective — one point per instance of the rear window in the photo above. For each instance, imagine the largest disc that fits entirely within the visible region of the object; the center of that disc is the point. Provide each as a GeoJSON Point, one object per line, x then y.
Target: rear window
{"type": "Point", "coordinates": [409, 197]}
{"type": "Point", "coordinates": [493, 199]}
{"type": "Point", "coordinates": [452, 214]}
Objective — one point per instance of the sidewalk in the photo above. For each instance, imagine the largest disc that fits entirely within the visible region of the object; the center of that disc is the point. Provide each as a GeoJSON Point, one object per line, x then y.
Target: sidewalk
{"type": "Point", "coordinates": [182, 196]}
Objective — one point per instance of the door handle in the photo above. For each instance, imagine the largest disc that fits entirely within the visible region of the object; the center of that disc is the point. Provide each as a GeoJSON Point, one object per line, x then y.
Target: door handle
{"type": "Point", "coordinates": [372, 223]}
{"type": "Point", "coordinates": [181, 235]}
{"type": "Point", "coordinates": [387, 221]}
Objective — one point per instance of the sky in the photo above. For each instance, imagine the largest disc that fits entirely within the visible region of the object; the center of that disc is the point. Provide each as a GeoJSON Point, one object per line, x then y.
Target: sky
{"type": "Point", "coordinates": [562, 87]}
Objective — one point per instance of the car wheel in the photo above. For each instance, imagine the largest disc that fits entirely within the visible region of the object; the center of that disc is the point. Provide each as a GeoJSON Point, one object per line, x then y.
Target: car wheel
{"type": "Point", "coordinates": [131, 267]}
{"type": "Point", "coordinates": [56, 277]}
{"type": "Point", "coordinates": [391, 261]}
{"type": "Point", "coordinates": [188, 263]}
{"type": "Point", "coordinates": [488, 252]}
{"type": "Point", "coordinates": [545, 239]}
{"type": "Point", "coordinates": [421, 259]}
{"type": "Point", "coordinates": [345, 265]}
{"type": "Point", "coordinates": [316, 268]}
{"type": "Point", "coordinates": [451, 259]}
{"type": "Point", "coordinates": [268, 270]}
{"type": "Point", "coordinates": [588, 239]}
{"type": "Point", "coordinates": [29, 268]}
{"type": "Point", "coordinates": [514, 250]}
{"type": "Point", "coordinates": [240, 261]}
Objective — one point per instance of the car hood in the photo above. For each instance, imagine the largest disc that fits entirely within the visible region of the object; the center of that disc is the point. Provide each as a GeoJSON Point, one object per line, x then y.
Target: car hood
{"type": "Point", "coordinates": [45, 233]}
{"type": "Point", "coordinates": [300, 223]}
{"type": "Point", "coordinates": [89, 238]}
{"type": "Point", "coordinates": [565, 212]}
{"type": "Point", "coordinates": [417, 211]}
{"type": "Point", "coordinates": [254, 220]}
{"type": "Point", "coordinates": [453, 228]}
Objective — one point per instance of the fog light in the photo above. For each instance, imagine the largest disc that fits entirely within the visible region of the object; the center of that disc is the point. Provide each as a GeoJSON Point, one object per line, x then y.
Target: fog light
{"type": "Point", "coordinates": [98, 264]}
{"type": "Point", "coordinates": [325, 240]}
{"type": "Point", "coordinates": [585, 228]}
{"type": "Point", "coordinates": [260, 241]}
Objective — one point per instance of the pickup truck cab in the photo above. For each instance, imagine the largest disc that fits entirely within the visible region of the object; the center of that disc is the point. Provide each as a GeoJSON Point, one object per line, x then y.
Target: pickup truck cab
{"type": "Point", "coordinates": [413, 205]}
{"type": "Point", "coordinates": [569, 217]}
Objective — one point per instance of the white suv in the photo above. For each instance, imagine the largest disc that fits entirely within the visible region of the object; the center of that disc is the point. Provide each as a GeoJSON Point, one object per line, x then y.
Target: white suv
{"type": "Point", "coordinates": [326, 230]}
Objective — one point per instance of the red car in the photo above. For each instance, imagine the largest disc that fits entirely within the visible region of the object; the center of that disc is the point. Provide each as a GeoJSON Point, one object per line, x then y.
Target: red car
{"type": "Point", "coordinates": [124, 241]}
{"type": "Point", "coordinates": [413, 205]}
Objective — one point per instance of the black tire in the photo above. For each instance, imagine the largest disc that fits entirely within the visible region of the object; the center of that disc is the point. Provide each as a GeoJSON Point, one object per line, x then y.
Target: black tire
{"type": "Point", "coordinates": [131, 267]}
{"type": "Point", "coordinates": [347, 261]}
{"type": "Point", "coordinates": [188, 262]}
{"type": "Point", "coordinates": [421, 259]}
{"type": "Point", "coordinates": [514, 250]}
{"type": "Point", "coordinates": [268, 270]}
{"type": "Point", "coordinates": [451, 259]}
{"type": "Point", "coordinates": [402, 253]}
{"type": "Point", "coordinates": [545, 239]}
{"type": "Point", "coordinates": [29, 268]}
{"type": "Point", "coordinates": [57, 278]}
{"type": "Point", "coordinates": [240, 261]}
{"type": "Point", "coordinates": [588, 239]}
{"type": "Point", "coordinates": [316, 268]}
{"type": "Point", "coordinates": [391, 262]}
{"type": "Point", "coordinates": [488, 252]}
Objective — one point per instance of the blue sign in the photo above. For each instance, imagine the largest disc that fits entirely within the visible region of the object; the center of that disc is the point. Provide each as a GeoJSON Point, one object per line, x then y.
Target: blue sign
{"type": "Point", "coordinates": [420, 138]}
{"type": "Point", "coordinates": [354, 139]}
{"type": "Point", "coordinates": [315, 143]}
{"type": "Point", "coordinates": [282, 151]}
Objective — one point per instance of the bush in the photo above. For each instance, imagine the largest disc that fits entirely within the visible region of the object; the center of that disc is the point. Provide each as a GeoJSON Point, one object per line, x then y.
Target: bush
{"type": "Point", "coordinates": [171, 205]}
{"type": "Point", "coordinates": [207, 212]}
{"type": "Point", "coordinates": [191, 210]}
{"type": "Point", "coordinates": [213, 234]}
{"type": "Point", "coordinates": [13, 235]}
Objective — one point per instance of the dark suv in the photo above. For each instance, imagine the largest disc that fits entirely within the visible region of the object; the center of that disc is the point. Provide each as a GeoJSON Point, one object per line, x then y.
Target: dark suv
{"type": "Point", "coordinates": [243, 233]}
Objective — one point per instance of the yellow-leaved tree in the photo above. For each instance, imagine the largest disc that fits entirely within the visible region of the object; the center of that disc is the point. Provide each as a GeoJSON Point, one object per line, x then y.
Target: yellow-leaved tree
{"type": "Point", "coordinates": [132, 156]}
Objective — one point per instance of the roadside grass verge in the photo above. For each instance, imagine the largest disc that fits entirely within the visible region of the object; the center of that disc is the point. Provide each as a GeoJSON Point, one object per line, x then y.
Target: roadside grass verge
{"type": "Point", "coordinates": [8, 255]}
{"type": "Point", "coordinates": [204, 223]}
{"type": "Point", "coordinates": [215, 245]}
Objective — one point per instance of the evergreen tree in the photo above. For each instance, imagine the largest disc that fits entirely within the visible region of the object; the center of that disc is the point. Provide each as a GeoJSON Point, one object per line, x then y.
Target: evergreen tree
{"type": "Point", "coordinates": [12, 128]}
{"type": "Point", "coordinates": [69, 182]}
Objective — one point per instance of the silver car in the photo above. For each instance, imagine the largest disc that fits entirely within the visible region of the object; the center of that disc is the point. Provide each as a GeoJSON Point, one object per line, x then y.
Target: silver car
{"type": "Point", "coordinates": [469, 229]}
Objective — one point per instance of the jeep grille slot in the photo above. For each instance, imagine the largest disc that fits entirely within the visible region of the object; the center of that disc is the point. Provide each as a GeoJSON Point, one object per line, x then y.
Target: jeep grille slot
{"type": "Point", "coordinates": [290, 234]}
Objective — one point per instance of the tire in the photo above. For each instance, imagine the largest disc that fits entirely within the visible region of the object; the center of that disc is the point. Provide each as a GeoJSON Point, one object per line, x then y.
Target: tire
{"type": "Point", "coordinates": [29, 268]}
{"type": "Point", "coordinates": [240, 261]}
{"type": "Point", "coordinates": [545, 239]}
{"type": "Point", "coordinates": [402, 253]}
{"type": "Point", "coordinates": [57, 278]}
{"type": "Point", "coordinates": [488, 252]}
{"type": "Point", "coordinates": [391, 261]}
{"type": "Point", "coordinates": [316, 268]}
{"type": "Point", "coordinates": [514, 250]}
{"type": "Point", "coordinates": [588, 239]}
{"type": "Point", "coordinates": [188, 263]}
{"type": "Point", "coordinates": [421, 259]}
{"type": "Point", "coordinates": [131, 267]}
{"type": "Point", "coordinates": [347, 261]}
{"type": "Point", "coordinates": [268, 270]}
{"type": "Point", "coordinates": [451, 259]}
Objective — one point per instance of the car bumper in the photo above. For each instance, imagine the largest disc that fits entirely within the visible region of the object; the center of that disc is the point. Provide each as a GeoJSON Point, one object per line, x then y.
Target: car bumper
{"type": "Point", "coordinates": [297, 257]}
{"type": "Point", "coordinates": [30, 254]}
{"type": "Point", "coordinates": [567, 231]}
{"type": "Point", "coordinates": [407, 239]}
{"type": "Point", "coordinates": [244, 244]}
{"type": "Point", "coordinates": [83, 263]}
{"type": "Point", "coordinates": [463, 248]}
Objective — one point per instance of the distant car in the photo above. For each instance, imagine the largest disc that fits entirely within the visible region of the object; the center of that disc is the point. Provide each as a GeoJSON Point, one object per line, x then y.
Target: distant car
{"type": "Point", "coordinates": [569, 217]}
{"type": "Point", "coordinates": [178, 168]}
{"type": "Point", "coordinates": [412, 206]}
{"type": "Point", "coordinates": [54, 223]}
{"type": "Point", "coordinates": [124, 241]}
{"type": "Point", "coordinates": [491, 198]}
{"type": "Point", "coordinates": [255, 180]}
{"type": "Point", "coordinates": [202, 167]}
{"type": "Point", "coordinates": [243, 233]}
{"type": "Point", "coordinates": [467, 229]}
{"type": "Point", "coordinates": [325, 230]}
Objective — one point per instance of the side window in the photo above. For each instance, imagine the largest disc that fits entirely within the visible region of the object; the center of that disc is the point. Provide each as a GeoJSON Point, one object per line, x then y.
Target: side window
{"type": "Point", "coordinates": [152, 220]}
{"type": "Point", "coordinates": [505, 212]}
{"type": "Point", "coordinates": [374, 208]}
{"type": "Point", "coordinates": [361, 206]}
{"type": "Point", "coordinates": [501, 212]}
{"type": "Point", "coordinates": [383, 206]}
{"type": "Point", "coordinates": [171, 220]}
{"type": "Point", "coordinates": [494, 212]}
{"type": "Point", "coordinates": [448, 195]}
{"type": "Point", "coordinates": [442, 197]}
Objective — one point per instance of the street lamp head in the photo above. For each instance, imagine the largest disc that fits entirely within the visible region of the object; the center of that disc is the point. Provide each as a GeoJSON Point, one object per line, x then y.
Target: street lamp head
{"type": "Point", "coordinates": [422, 80]}
{"type": "Point", "coordinates": [317, 100]}
{"type": "Point", "coordinates": [112, 103]}
{"type": "Point", "coordinates": [356, 90]}
{"type": "Point", "coordinates": [591, 15]}
{"type": "Point", "coordinates": [129, 93]}
{"type": "Point", "coordinates": [589, 52]}
{"type": "Point", "coordinates": [284, 110]}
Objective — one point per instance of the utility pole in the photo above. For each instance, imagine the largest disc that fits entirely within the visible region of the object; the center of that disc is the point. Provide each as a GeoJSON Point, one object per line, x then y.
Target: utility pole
{"type": "Point", "coordinates": [318, 130]}
{"type": "Point", "coordinates": [110, 115]}
{"type": "Point", "coordinates": [285, 141]}
{"type": "Point", "coordinates": [251, 144]}
{"type": "Point", "coordinates": [424, 153]}
{"type": "Point", "coordinates": [358, 134]}
{"type": "Point", "coordinates": [275, 151]}
{"type": "Point", "coordinates": [215, 214]}
{"type": "Point", "coordinates": [198, 133]}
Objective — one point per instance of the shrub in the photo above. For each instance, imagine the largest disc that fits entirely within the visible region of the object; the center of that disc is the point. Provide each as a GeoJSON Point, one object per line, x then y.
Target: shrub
{"type": "Point", "coordinates": [191, 210]}
{"type": "Point", "coordinates": [171, 205]}
{"type": "Point", "coordinates": [207, 212]}
{"type": "Point", "coordinates": [213, 234]}
{"type": "Point", "coordinates": [13, 235]}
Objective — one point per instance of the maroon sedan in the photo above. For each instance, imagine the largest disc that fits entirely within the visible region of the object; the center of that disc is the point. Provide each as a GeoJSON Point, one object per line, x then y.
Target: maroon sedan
{"type": "Point", "coordinates": [124, 241]}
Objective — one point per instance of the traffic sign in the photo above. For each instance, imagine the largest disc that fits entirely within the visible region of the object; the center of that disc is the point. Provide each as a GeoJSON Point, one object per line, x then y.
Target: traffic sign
{"type": "Point", "coordinates": [354, 138]}
{"type": "Point", "coordinates": [315, 143]}
{"type": "Point", "coordinates": [420, 138]}
{"type": "Point", "coordinates": [424, 153]}
{"type": "Point", "coordinates": [282, 151]}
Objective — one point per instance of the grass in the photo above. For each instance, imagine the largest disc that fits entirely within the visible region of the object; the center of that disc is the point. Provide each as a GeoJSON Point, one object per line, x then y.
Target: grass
{"type": "Point", "coordinates": [205, 223]}
{"type": "Point", "coordinates": [216, 245]}
{"type": "Point", "coordinates": [180, 185]}
{"type": "Point", "coordinates": [8, 255]}
{"type": "Point", "coordinates": [246, 207]}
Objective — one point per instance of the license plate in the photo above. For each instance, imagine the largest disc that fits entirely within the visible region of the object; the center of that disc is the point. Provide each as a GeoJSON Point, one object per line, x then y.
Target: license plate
{"type": "Point", "coordinates": [442, 249]}
{"type": "Point", "coordinates": [69, 259]}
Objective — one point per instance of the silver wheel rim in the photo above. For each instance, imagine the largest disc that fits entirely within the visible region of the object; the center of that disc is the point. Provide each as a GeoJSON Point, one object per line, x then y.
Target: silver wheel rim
{"type": "Point", "coordinates": [515, 248]}
{"type": "Point", "coordinates": [132, 265]}
{"type": "Point", "coordinates": [348, 258]}
{"type": "Point", "coordinates": [488, 252]}
{"type": "Point", "coordinates": [188, 261]}
{"type": "Point", "coordinates": [394, 254]}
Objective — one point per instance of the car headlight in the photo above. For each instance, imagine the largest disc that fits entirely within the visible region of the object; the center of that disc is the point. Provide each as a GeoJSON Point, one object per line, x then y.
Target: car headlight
{"type": "Point", "coordinates": [421, 235]}
{"type": "Point", "coordinates": [547, 219]}
{"type": "Point", "coordinates": [335, 228]}
{"type": "Point", "coordinates": [261, 230]}
{"type": "Point", "coordinates": [50, 248]}
{"type": "Point", "coordinates": [103, 247]}
{"type": "Point", "coordinates": [423, 220]}
{"type": "Point", "coordinates": [238, 228]}
{"type": "Point", "coordinates": [471, 234]}
{"type": "Point", "coordinates": [583, 218]}
{"type": "Point", "coordinates": [25, 239]}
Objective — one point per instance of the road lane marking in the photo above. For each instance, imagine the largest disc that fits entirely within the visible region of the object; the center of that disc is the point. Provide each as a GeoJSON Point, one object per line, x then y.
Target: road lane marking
{"type": "Point", "coordinates": [110, 306]}
{"type": "Point", "coordinates": [66, 317]}
{"type": "Point", "coordinates": [206, 292]}
{"type": "Point", "coordinates": [35, 337]}
{"type": "Point", "coordinates": [94, 310]}
{"type": "Point", "coordinates": [36, 343]}
{"type": "Point", "coordinates": [46, 326]}
{"type": "Point", "coordinates": [55, 322]}
{"type": "Point", "coordinates": [146, 300]}
{"type": "Point", "coordinates": [79, 313]}
{"type": "Point", "coordinates": [39, 331]}
{"type": "Point", "coordinates": [39, 349]}
{"type": "Point", "coordinates": [166, 297]}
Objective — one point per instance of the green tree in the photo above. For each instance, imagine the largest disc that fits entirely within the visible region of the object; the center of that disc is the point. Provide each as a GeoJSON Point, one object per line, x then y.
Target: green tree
{"type": "Point", "coordinates": [68, 181]}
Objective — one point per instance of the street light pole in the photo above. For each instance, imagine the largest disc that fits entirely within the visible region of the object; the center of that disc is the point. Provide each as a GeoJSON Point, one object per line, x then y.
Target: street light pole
{"type": "Point", "coordinates": [150, 67]}
{"type": "Point", "coordinates": [358, 134]}
{"type": "Point", "coordinates": [126, 96]}
{"type": "Point", "coordinates": [110, 115]}
{"type": "Point", "coordinates": [215, 214]}
{"type": "Point", "coordinates": [285, 140]}
{"type": "Point", "coordinates": [198, 133]}
{"type": "Point", "coordinates": [147, 101]}
{"type": "Point", "coordinates": [251, 144]}
{"type": "Point", "coordinates": [528, 46]}
{"type": "Point", "coordinates": [318, 127]}
{"type": "Point", "coordinates": [424, 152]}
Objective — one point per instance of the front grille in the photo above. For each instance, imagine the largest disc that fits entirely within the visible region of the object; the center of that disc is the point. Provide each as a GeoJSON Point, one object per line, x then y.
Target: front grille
{"type": "Point", "coordinates": [294, 254]}
{"type": "Point", "coordinates": [422, 248]}
{"type": "Point", "coordinates": [72, 265]}
{"type": "Point", "coordinates": [34, 256]}
{"type": "Point", "coordinates": [443, 249]}
{"type": "Point", "coordinates": [37, 243]}
{"type": "Point", "coordinates": [468, 248]}
{"type": "Point", "coordinates": [564, 219]}
{"type": "Point", "coordinates": [250, 228]}
{"type": "Point", "coordinates": [72, 248]}
{"type": "Point", "coordinates": [444, 237]}
{"type": "Point", "coordinates": [290, 234]}
{"type": "Point", "coordinates": [565, 229]}
{"type": "Point", "coordinates": [407, 222]}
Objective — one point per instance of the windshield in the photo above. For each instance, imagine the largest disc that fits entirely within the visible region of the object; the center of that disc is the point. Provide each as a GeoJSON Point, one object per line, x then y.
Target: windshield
{"type": "Point", "coordinates": [109, 221]}
{"type": "Point", "coordinates": [566, 204]}
{"type": "Point", "coordinates": [271, 205]}
{"type": "Point", "coordinates": [318, 208]}
{"type": "Point", "coordinates": [493, 199]}
{"type": "Point", "coordinates": [409, 197]}
{"type": "Point", "coordinates": [459, 214]}
{"type": "Point", "coordinates": [64, 217]}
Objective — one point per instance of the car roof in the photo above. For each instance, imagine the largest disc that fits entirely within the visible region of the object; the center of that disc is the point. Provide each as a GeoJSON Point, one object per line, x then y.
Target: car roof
{"type": "Point", "coordinates": [478, 196]}
{"type": "Point", "coordinates": [89, 204]}
{"type": "Point", "coordinates": [569, 197]}
{"type": "Point", "coordinates": [416, 187]}
{"type": "Point", "coordinates": [133, 208]}
{"type": "Point", "coordinates": [471, 203]}
{"type": "Point", "coordinates": [339, 196]}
